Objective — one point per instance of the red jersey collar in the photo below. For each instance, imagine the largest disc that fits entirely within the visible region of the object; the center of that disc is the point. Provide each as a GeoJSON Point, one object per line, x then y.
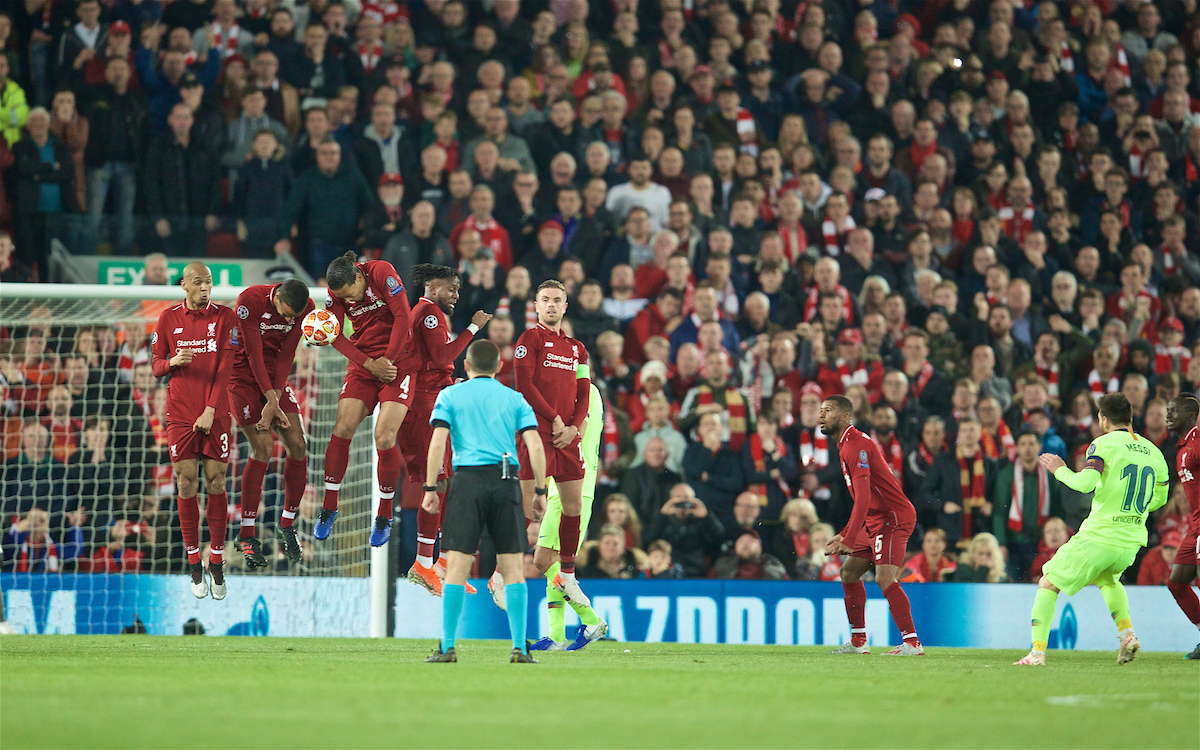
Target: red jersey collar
{"type": "Point", "coordinates": [845, 435]}
{"type": "Point", "coordinates": [1187, 437]}
{"type": "Point", "coordinates": [548, 329]}
{"type": "Point", "coordinates": [187, 309]}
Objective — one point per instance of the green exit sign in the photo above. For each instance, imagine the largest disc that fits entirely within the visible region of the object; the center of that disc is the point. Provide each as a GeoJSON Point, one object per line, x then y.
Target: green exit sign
{"type": "Point", "coordinates": [129, 272]}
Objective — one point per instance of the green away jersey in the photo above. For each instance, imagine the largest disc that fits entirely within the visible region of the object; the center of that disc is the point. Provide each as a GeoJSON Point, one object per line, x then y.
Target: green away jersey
{"type": "Point", "coordinates": [1130, 477]}
{"type": "Point", "coordinates": [590, 445]}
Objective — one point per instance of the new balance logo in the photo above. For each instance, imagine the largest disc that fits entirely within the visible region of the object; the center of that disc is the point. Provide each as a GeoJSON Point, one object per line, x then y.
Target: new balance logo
{"type": "Point", "coordinates": [178, 330]}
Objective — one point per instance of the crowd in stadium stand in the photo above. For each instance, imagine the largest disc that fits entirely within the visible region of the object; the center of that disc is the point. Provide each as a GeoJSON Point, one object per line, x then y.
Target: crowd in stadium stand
{"type": "Point", "coordinates": [972, 218]}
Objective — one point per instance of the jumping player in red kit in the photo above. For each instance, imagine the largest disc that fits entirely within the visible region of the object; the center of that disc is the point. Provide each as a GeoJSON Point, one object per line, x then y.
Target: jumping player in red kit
{"type": "Point", "coordinates": [877, 533]}
{"type": "Point", "coordinates": [1183, 418]}
{"type": "Point", "coordinates": [262, 403]}
{"type": "Point", "coordinates": [193, 344]}
{"type": "Point", "coordinates": [433, 351]}
{"type": "Point", "coordinates": [374, 298]}
{"type": "Point", "coordinates": [551, 372]}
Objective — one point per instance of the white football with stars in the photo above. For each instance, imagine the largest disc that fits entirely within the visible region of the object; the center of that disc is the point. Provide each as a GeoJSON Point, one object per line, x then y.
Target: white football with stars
{"type": "Point", "coordinates": [320, 328]}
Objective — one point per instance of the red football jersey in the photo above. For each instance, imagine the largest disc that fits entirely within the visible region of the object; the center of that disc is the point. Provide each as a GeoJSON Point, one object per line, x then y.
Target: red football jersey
{"type": "Point", "coordinates": [1187, 465]}
{"type": "Point", "coordinates": [380, 320]}
{"type": "Point", "coordinates": [433, 349]}
{"type": "Point", "coordinates": [546, 364]}
{"type": "Point", "coordinates": [204, 381]}
{"type": "Point", "coordinates": [266, 342]}
{"type": "Point", "coordinates": [863, 460]}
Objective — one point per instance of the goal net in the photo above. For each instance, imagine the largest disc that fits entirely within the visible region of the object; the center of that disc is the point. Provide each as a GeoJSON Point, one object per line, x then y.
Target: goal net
{"type": "Point", "coordinates": [90, 527]}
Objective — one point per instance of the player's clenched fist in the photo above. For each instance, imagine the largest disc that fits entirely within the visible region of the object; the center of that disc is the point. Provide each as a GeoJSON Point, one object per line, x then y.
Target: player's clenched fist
{"type": "Point", "coordinates": [382, 368]}
{"type": "Point", "coordinates": [182, 357]}
{"type": "Point", "coordinates": [205, 420]}
{"type": "Point", "coordinates": [480, 318]}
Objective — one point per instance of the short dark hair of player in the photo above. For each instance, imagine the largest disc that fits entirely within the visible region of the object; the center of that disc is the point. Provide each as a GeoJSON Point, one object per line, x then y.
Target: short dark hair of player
{"type": "Point", "coordinates": [843, 404]}
{"type": "Point", "coordinates": [342, 271]}
{"type": "Point", "coordinates": [294, 294]}
{"type": "Point", "coordinates": [552, 284]}
{"type": "Point", "coordinates": [423, 274]}
{"type": "Point", "coordinates": [1116, 407]}
{"type": "Point", "coordinates": [483, 357]}
{"type": "Point", "coordinates": [1029, 433]}
{"type": "Point", "coordinates": [1187, 406]}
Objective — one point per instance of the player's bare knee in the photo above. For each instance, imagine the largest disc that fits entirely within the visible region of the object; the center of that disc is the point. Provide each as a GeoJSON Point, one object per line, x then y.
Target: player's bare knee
{"type": "Point", "coordinates": [384, 441]}
{"type": "Point", "coordinates": [188, 484]}
{"type": "Point", "coordinates": [885, 580]}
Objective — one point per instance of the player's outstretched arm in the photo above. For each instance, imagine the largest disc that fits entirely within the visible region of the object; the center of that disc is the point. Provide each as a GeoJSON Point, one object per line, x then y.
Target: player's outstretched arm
{"type": "Point", "coordinates": [1083, 481]}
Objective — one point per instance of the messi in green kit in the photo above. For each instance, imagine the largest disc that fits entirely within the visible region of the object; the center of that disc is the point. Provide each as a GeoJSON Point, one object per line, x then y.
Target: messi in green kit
{"type": "Point", "coordinates": [592, 627]}
{"type": "Point", "coordinates": [1130, 479]}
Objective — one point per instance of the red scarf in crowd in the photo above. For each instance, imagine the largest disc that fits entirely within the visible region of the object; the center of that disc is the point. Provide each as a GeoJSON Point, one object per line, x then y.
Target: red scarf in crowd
{"type": "Point", "coordinates": [28, 554]}
{"type": "Point", "coordinates": [759, 456]}
{"type": "Point", "coordinates": [1121, 62]}
{"type": "Point", "coordinates": [814, 448]}
{"type": "Point", "coordinates": [1099, 387]}
{"type": "Point", "coordinates": [892, 452]}
{"type": "Point", "coordinates": [1122, 210]}
{"type": "Point", "coordinates": [1191, 174]}
{"type": "Point", "coordinates": [1007, 443]}
{"type": "Point", "coordinates": [504, 308]}
{"type": "Point", "coordinates": [962, 230]}
{"type": "Point", "coordinates": [831, 235]}
{"type": "Point", "coordinates": [857, 377]}
{"type": "Point", "coordinates": [926, 456]}
{"type": "Point", "coordinates": [1016, 224]}
{"type": "Point", "coordinates": [227, 38]}
{"type": "Point", "coordinates": [922, 379]}
{"type": "Point", "coordinates": [1066, 57]}
{"type": "Point", "coordinates": [1137, 165]}
{"type": "Point", "coordinates": [610, 449]}
{"type": "Point", "coordinates": [1051, 376]}
{"type": "Point", "coordinates": [736, 406]}
{"type": "Point", "coordinates": [795, 242]}
{"type": "Point", "coordinates": [810, 304]}
{"type": "Point", "coordinates": [1172, 359]}
{"type": "Point", "coordinates": [1170, 265]}
{"type": "Point", "coordinates": [369, 56]}
{"type": "Point", "coordinates": [1016, 509]}
{"type": "Point", "coordinates": [971, 481]}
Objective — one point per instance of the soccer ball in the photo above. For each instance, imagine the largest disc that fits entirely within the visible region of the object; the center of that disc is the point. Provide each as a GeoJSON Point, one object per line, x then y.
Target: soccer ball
{"type": "Point", "coordinates": [320, 328]}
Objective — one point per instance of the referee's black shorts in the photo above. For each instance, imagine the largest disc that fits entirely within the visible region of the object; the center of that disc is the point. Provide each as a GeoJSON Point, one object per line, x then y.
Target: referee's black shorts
{"type": "Point", "coordinates": [480, 499]}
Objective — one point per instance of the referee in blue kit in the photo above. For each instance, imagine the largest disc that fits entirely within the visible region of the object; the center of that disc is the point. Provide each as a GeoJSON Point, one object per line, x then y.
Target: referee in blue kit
{"type": "Point", "coordinates": [482, 417]}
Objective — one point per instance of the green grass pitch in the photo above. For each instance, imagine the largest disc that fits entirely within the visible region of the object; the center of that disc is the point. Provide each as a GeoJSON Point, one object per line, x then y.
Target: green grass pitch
{"type": "Point", "coordinates": [170, 692]}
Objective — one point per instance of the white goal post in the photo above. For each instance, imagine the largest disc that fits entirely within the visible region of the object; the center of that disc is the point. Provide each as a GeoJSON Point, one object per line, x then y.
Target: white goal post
{"type": "Point", "coordinates": [110, 324]}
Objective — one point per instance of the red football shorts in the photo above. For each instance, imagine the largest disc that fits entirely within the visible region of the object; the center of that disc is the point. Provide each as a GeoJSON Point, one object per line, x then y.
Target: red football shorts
{"type": "Point", "coordinates": [414, 439]}
{"type": "Point", "coordinates": [564, 465]}
{"type": "Point", "coordinates": [1189, 549]}
{"type": "Point", "coordinates": [186, 443]}
{"type": "Point", "coordinates": [246, 403]}
{"type": "Point", "coordinates": [365, 387]}
{"type": "Point", "coordinates": [883, 542]}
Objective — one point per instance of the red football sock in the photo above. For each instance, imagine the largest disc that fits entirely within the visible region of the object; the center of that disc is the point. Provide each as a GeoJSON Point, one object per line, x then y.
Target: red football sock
{"type": "Point", "coordinates": [337, 456]}
{"type": "Point", "coordinates": [217, 513]}
{"type": "Point", "coordinates": [568, 539]}
{"type": "Point", "coordinates": [427, 532]}
{"type": "Point", "coordinates": [189, 525]}
{"type": "Point", "coordinates": [856, 611]}
{"type": "Point", "coordinates": [252, 484]}
{"type": "Point", "coordinates": [388, 468]}
{"type": "Point", "coordinates": [1186, 598]}
{"type": "Point", "coordinates": [901, 611]}
{"type": "Point", "coordinates": [295, 479]}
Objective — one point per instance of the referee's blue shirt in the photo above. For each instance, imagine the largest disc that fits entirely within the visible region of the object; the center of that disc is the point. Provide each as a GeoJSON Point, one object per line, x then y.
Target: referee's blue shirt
{"type": "Point", "coordinates": [484, 417]}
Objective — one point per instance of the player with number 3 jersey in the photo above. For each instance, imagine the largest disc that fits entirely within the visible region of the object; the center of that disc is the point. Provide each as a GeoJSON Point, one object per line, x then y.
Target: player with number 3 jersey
{"type": "Point", "coordinates": [1129, 476]}
{"type": "Point", "coordinates": [192, 343]}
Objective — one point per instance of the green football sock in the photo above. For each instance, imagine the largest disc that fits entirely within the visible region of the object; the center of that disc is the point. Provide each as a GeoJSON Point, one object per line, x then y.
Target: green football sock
{"type": "Point", "coordinates": [587, 615]}
{"type": "Point", "coordinates": [1043, 617]}
{"type": "Point", "coordinates": [1118, 604]}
